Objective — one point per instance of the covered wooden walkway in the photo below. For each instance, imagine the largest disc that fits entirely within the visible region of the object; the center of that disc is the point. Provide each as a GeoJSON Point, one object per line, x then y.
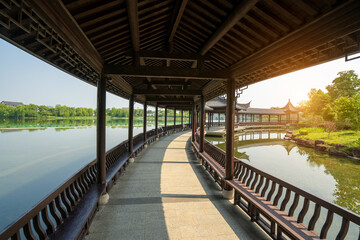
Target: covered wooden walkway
{"type": "Point", "coordinates": [165, 194]}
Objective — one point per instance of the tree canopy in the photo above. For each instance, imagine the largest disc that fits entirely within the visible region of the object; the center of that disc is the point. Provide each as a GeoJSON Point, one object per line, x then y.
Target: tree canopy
{"type": "Point", "coordinates": [341, 102]}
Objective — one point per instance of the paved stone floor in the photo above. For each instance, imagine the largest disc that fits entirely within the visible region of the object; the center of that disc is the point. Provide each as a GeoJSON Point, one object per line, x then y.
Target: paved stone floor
{"type": "Point", "coordinates": [166, 194]}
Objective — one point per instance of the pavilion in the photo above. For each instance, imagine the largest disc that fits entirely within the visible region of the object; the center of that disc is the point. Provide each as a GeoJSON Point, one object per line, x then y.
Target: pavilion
{"type": "Point", "coordinates": [244, 114]}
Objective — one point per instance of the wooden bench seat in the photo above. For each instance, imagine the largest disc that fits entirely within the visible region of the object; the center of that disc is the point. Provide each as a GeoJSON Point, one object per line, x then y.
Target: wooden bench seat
{"type": "Point", "coordinates": [255, 205]}
{"type": "Point", "coordinates": [77, 224]}
{"type": "Point", "coordinates": [213, 167]}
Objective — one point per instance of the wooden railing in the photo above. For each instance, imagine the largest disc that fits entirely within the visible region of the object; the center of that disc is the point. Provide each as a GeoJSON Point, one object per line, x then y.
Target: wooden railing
{"type": "Point", "coordinates": [114, 154]}
{"type": "Point", "coordinates": [271, 188]}
{"type": "Point", "coordinates": [59, 205]}
{"type": "Point", "coordinates": [74, 203]}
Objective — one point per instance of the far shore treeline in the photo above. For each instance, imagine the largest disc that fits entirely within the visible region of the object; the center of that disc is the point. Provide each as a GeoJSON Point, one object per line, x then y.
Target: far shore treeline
{"type": "Point", "coordinates": [59, 111]}
{"type": "Point", "coordinates": [338, 106]}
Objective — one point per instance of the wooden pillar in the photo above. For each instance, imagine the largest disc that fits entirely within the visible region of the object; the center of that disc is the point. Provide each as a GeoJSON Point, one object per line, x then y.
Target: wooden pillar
{"type": "Point", "coordinates": [100, 131]}
{"type": "Point", "coordinates": [182, 118]}
{"type": "Point", "coordinates": [230, 115]}
{"type": "Point", "coordinates": [145, 120]}
{"type": "Point", "coordinates": [156, 119]}
{"type": "Point", "coordinates": [193, 122]}
{"type": "Point", "coordinates": [202, 123]}
{"type": "Point", "coordinates": [131, 123]}
{"type": "Point", "coordinates": [208, 122]}
{"type": "Point", "coordinates": [165, 119]}
{"type": "Point", "coordinates": [174, 119]}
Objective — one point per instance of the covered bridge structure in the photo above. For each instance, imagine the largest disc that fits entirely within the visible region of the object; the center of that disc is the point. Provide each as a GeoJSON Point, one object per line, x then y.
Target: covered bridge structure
{"type": "Point", "coordinates": [173, 54]}
{"type": "Point", "coordinates": [244, 114]}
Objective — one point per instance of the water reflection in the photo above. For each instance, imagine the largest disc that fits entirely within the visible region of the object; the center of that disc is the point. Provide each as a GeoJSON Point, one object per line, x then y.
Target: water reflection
{"type": "Point", "coordinates": [35, 162]}
{"type": "Point", "coordinates": [10, 125]}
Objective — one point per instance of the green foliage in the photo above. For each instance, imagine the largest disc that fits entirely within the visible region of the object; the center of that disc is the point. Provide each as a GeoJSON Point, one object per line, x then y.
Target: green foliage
{"type": "Point", "coordinates": [330, 127]}
{"type": "Point", "coordinates": [346, 85]}
{"type": "Point", "coordinates": [358, 142]}
{"type": "Point", "coordinates": [344, 137]}
{"type": "Point", "coordinates": [348, 109]}
{"type": "Point", "coordinates": [33, 111]}
{"type": "Point", "coordinates": [341, 104]}
{"type": "Point", "coordinates": [302, 132]}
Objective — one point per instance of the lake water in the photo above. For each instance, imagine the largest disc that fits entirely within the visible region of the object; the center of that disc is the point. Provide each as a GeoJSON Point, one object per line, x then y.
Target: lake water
{"type": "Point", "coordinates": [332, 178]}
{"type": "Point", "coordinates": [35, 162]}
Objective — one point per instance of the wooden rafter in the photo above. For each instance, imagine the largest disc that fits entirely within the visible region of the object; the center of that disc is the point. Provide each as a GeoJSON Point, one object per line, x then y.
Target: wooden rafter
{"type": "Point", "coordinates": [176, 17]}
{"type": "Point", "coordinates": [240, 11]}
{"type": "Point", "coordinates": [132, 10]}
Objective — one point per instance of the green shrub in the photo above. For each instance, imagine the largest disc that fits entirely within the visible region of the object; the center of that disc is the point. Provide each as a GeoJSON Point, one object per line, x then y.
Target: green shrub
{"type": "Point", "coordinates": [303, 132]}
{"type": "Point", "coordinates": [358, 142]}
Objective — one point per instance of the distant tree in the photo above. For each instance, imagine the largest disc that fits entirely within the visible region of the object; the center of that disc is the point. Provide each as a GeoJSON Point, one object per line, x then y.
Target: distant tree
{"type": "Point", "coordinates": [328, 113]}
{"type": "Point", "coordinates": [329, 127]}
{"type": "Point", "coordinates": [348, 109]}
{"type": "Point", "coordinates": [346, 84]}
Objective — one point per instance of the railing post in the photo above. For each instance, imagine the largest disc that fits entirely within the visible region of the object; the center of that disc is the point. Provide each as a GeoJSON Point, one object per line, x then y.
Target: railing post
{"type": "Point", "coordinates": [100, 131]}
{"type": "Point", "coordinates": [145, 120]}
{"type": "Point", "coordinates": [230, 115]}
{"type": "Point", "coordinates": [202, 123]}
{"type": "Point", "coordinates": [156, 119]}
{"type": "Point", "coordinates": [165, 119]}
{"type": "Point", "coordinates": [131, 123]}
{"type": "Point", "coordinates": [193, 122]}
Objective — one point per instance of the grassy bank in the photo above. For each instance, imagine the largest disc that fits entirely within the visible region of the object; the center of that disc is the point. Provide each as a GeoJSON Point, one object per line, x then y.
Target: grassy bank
{"type": "Point", "coordinates": [349, 138]}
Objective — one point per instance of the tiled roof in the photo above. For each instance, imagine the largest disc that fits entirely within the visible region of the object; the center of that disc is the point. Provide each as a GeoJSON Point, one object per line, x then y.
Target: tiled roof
{"type": "Point", "coordinates": [290, 107]}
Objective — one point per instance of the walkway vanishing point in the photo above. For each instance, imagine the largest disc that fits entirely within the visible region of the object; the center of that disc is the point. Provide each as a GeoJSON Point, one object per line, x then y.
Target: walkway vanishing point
{"type": "Point", "coordinates": [166, 194]}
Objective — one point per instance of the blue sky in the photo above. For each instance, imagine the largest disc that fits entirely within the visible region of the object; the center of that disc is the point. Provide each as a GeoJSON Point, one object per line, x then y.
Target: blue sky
{"type": "Point", "coordinates": [27, 79]}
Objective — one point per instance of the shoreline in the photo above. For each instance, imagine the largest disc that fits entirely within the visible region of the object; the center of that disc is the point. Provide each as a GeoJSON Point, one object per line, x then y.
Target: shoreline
{"type": "Point", "coordinates": [321, 146]}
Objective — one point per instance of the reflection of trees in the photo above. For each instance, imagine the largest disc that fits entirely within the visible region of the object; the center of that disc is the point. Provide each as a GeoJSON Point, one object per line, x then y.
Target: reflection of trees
{"type": "Point", "coordinates": [63, 122]}
{"type": "Point", "coordinates": [346, 174]}
{"type": "Point", "coordinates": [242, 155]}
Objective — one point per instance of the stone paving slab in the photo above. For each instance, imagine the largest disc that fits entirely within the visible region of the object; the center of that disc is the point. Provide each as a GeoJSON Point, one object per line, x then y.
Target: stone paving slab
{"type": "Point", "coordinates": [166, 194]}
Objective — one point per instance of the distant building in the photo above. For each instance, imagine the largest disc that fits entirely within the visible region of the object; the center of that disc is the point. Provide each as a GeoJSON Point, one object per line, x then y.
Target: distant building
{"type": "Point", "coordinates": [245, 114]}
{"type": "Point", "coordinates": [13, 104]}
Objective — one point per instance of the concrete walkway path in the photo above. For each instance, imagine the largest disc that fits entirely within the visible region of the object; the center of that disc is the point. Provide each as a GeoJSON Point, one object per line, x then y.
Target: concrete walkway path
{"type": "Point", "coordinates": [166, 194]}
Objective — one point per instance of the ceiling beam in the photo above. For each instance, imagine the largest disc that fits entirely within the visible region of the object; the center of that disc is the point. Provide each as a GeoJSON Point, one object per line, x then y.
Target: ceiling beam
{"type": "Point", "coordinates": [177, 82]}
{"type": "Point", "coordinates": [176, 17]}
{"type": "Point", "coordinates": [165, 72]}
{"type": "Point", "coordinates": [167, 92]}
{"type": "Point", "coordinates": [162, 55]}
{"type": "Point", "coordinates": [132, 10]}
{"type": "Point", "coordinates": [240, 11]}
{"type": "Point", "coordinates": [177, 107]}
{"type": "Point", "coordinates": [156, 99]}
